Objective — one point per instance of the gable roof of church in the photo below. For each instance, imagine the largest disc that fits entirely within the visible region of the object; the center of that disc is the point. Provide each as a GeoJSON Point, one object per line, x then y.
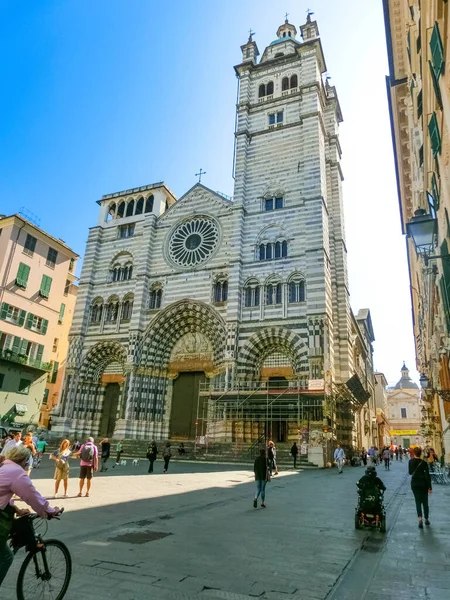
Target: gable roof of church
{"type": "Point", "coordinates": [226, 203]}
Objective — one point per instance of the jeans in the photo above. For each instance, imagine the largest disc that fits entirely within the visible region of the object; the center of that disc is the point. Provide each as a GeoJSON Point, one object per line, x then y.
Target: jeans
{"type": "Point", "coordinates": [421, 498]}
{"type": "Point", "coordinates": [166, 463]}
{"type": "Point", "coordinates": [6, 558]}
{"type": "Point", "coordinates": [386, 463]}
{"type": "Point", "coordinates": [103, 462]}
{"type": "Point", "coordinates": [150, 466]}
{"type": "Point", "coordinates": [260, 489]}
{"type": "Point", "coordinates": [340, 464]}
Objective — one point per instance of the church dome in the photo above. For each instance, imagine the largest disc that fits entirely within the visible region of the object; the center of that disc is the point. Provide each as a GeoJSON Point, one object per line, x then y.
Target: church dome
{"type": "Point", "coordinates": [405, 382]}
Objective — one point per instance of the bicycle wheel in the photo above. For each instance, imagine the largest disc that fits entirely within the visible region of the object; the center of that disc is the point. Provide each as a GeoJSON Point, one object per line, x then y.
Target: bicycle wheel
{"type": "Point", "coordinates": [45, 574]}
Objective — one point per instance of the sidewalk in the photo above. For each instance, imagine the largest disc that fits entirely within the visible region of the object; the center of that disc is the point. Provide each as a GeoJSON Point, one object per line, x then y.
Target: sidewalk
{"type": "Point", "coordinates": [196, 536]}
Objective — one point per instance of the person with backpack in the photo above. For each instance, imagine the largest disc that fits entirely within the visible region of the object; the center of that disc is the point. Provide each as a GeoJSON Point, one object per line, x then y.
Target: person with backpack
{"type": "Point", "coordinates": [88, 454]}
{"type": "Point", "coordinates": [166, 455]}
{"type": "Point", "coordinates": [420, 485]}
{"type": "Point", "coordinates": [152, 453]}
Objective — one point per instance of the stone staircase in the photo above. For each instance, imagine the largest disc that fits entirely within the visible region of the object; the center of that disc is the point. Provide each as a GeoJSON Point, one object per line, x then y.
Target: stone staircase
{"type": "Point", "coordinates": [231, 453]}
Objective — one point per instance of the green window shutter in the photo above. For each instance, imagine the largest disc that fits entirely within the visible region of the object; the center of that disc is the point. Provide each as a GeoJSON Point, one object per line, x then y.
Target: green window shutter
{"type": "Point", "coordinates": [61, 313]}
{"type": "Point", "coordinates": [419, 104]}
{"type": "Point", "coordinates": [22, 275]}
{"type": "Point", "coordinates": [21, 320]}
{"type": "Point", "coordinates": [44, 326]}
{"type": "Point", "coordinates": [40, 352]}
{"type": "Point", "coordinates": [55, 372]}
{"type": "Point", "coordinates": [435, 190]}
{"type": "Point", "coordinates": [437, 51]}
{"type": "Point", "coordinates": [29, 323]}
{"type": "Point", "coordinates": [23, 347]}
{"type": "Point", "coordinates": [435, 136]}
{"type": "Point", "coordinates": [437, 89]}
{"type": "Point", "coordinates": [4, 311]}
{"type": "Point", "coordinates": [16, 344]}
{"type": "Point", "coordinates": [46, 284]}
{"type": "Point", "coordinates": [445, 283]}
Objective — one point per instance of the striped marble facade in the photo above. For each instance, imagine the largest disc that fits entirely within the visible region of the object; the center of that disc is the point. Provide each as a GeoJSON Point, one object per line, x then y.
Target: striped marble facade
{"type": "Point", "coordinates": [297, 160]}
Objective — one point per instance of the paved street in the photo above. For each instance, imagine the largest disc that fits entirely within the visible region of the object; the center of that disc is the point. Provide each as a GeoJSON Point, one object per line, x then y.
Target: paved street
{"type": "Point", "coordinates": [194, 534]}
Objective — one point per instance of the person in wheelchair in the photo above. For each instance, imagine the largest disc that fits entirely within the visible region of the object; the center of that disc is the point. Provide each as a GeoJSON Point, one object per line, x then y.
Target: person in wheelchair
{"type": "Point", "coordinates": [370, 491]}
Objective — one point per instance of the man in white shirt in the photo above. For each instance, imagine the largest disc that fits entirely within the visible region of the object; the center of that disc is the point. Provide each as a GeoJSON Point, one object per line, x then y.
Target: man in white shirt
{"type": "Point", "coordinates": [13, 442]}
{"type": "Point", "coordinates": [339, 457]}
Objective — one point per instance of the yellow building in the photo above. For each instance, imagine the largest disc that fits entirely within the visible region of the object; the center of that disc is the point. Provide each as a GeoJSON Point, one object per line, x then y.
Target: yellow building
{"type": "Point", "coordinates": [404, 411]}
{"type": "Point", "coordinates": [419, 98]}
{"type": "Point", "coordinates": [37, 298]}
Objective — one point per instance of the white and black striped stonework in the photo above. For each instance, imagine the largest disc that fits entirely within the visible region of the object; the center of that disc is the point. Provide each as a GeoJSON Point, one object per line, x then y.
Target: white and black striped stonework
{"type": "Point", "coordinates": [297, 160]}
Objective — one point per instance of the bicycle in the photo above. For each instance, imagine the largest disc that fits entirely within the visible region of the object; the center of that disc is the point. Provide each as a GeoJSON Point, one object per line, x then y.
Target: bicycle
{"type": "Point", "coordinates": [47, 569]}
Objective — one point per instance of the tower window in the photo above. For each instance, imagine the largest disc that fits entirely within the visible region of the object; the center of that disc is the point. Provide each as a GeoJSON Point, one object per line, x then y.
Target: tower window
{"type": "Point", "coordinates": [121, 210]}
{"type": "Point", "coordinates": [294, 81]}
{"type": "Point", "coordinates": [252, 295]}
{"type": "Point", "coordinates": [130, 209]}
{"type": "Point", "coordinates": [261, 91]}
{"type": "Point", "coordinates": [155, 298]}
{"type": "Point", "coordinates": [273, 203]}
{"type": "Point", "coordinates": [273, 294]}
{"type": "Point", "coordinates": [126, 231]}
{"type": "Point", "coordinates": [270, 88]}
{"type": "Point", "coordinates": [139, 206]}
{"type": "Point", "coordinates": [285, 84]}
{"type": "Point", "coordinates": [296, 291]}
{"type": "Point", "coordinates": [149, 204]}
{"type": "Point", "coordinates": [273, 250]}
{"type": "Point", "coordinates": [276, 117]}
{"type": "Point", "coordinates": [127, 309]}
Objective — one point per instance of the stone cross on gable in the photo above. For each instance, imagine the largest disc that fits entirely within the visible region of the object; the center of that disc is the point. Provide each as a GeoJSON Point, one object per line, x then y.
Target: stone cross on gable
{"type": "Point", "coordinates": [199, 175]}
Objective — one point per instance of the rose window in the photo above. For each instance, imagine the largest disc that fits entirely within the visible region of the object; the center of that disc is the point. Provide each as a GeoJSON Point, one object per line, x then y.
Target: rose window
{"type": "Point", "coordinates": [193, 242]}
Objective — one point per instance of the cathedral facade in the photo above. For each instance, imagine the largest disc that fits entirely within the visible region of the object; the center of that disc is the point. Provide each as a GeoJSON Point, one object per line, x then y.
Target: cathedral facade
{"type": "Point", "coordinates": [225, 296]}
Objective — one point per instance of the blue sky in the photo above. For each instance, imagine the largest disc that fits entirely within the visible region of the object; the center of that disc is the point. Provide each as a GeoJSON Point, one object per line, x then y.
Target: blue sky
{"type": "Point", "coordinates": [103, 96]}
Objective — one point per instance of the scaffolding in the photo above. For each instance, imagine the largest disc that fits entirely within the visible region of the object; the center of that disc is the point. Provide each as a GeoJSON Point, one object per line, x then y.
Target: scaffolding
{"type": "Point", "coordinates": [248, 412]}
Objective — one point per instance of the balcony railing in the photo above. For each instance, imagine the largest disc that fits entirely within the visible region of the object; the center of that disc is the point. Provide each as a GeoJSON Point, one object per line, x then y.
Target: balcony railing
{"type": "Point", "coordinates": [22, 359]}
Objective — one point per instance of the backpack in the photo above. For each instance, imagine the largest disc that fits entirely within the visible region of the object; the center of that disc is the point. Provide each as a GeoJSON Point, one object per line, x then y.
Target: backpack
{"type": "Point", "coordinates": [87, 454]}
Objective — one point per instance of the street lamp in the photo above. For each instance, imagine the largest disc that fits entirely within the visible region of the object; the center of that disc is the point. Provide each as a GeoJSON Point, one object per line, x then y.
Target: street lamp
{"type": "Point", "coordinates": [422, 228]}
{"type": "Point", "coordinates": [424, 381]}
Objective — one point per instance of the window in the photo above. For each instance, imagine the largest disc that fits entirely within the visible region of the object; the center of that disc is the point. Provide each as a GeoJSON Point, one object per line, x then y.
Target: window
{"type": "Point", "coordinates": [54, 372]}
{"type": "Point", "coordinates": [127, 310]}
{"type": "Point", "coordinates": [111, 312]}
{"type": "Point", "coordinates": [403, 411]}
{"type": "Point", "coordinates": [12, 314]}
{"type": "Point", "coordinates": [139, 206]}
{"type": "Point", "coordinates": [52, 255]}
{"type": "Point", "coordinates": [270, 88]}
{"type": "Point", "coordinates": [437, 51]}
{"type": "Point", "coordinates": [273, 203]}
{"type": "Point", "coordinates": [22, 275]}
{"type": "Point", "coordinates": [24, 386]}
{"type": "Point", "coordinates": [435, 136]}
{"type": "Point", "coordinates": [272, 119]}
{"type": "Point", "coordinates": [66, 287]}
{"type": "Point", "coordinates": [120, 210]}
{"type": "Point", "coordinates": [274, 294]}
{"type": "Point", "coordinates": [155, 298]}
{"type": "Point", "coordinates": [2, 379]}
{"type": "Point", "coordinates": [96, 312]}
{"type": "Point", "coordinates": [221, 291]}
{"type": "Point", "coordinates": [62, 310]}
{"type": "Point", "coordinates": [130, 209]}
{"type": "Point", "coordinates": [71, 265]}
{"type": "Point", "coordinates": [285, 84]}
{"type": "Point", "coordinates": [435, 191]}
{"type": "Point", "coordinates": [276, 117]}
{"type": "Point", "coordinates": [149, 204]}
{"type": "Point", "coordinates": [294, 81]}
{"type": "Point", "coordinates": [55, 345]}
{"type": "Point", "coordinates": [296, 291]}
{"type": "Point", "coordinates": [35, 323]}
{"type": "Point", "coordinates": [421, 155]}
{"type": "Point", "coordinates": [437, 89]}
{"type": "Point", "coordinates": [445, 284]}
{"type": "Point", "coordinates": [261, 91]}
{"type": "Point", "coordinates": [419, 104]}
{"type": "Point", "coordinates": [46, 285]}
{"type": "Point", "coordinates": [45, 397]}
{"type": "Point", "coordinates": [126, 231]}
{"type": "Point", "coordinates": [30, 245]}
{"type": "Point", "coordinates": [252, 295]}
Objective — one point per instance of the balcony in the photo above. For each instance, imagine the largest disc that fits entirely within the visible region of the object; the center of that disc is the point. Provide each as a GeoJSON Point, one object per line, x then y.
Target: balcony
{"type": "Point", "coordinates": [22, 359]}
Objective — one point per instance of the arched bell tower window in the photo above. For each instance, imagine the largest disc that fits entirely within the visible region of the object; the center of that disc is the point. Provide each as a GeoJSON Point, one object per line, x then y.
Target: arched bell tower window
{"type": "Point", "coordinates": [149, 204]}
{"type": "Point", "coordinates": [285, 84]}
{"type": "Point", "coordinates": [127, 308]}
{"type": "Point", "coordinates": [155, 297]}
{"type": "Point", "coordinates": [111, 214]}
{"type": "Point", "coordinates": [270, 88]}
{"type": "Point", "coordinates": [296, 290]}
{"type": "Point", "coordinates": [96, 311]}
{"type": "Point", "coordinates": [252, 293]}
{"type": "Point", "coordinates": [130, 209]}
{"type": "Point", "coordinates": [139, 206]}
{"type": "Point", "coordinates": [294, 81]}
{"type": "Point", "coordinates": [261, 91]}
{"type": "Point", "coordinates": [274, 294]}
{"type": "Point", "coordinates": [121, 210]}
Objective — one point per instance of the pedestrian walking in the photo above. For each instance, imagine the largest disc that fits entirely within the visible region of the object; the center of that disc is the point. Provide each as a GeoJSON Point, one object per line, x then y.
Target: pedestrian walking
{"type": "Point", "coordinates": [166, 455]}
{"type": "Point", "coordinates": [14, 440]}
{"type": "Point", "coordinates": [62, 467]}
{"type": "Point", "coordinates": [119, 450]}
{"type": "Point", "coordinates": [152, 452]}
{"type": "Point", "coordinates": [261, 469]}
{"type": "Point", "coordinates": [88, 454]}
{"type": "Point", "coordinates": [41, 446]}
{"type": "Point", "coordinates": [28, 443]}
{"type": "Point", "coordinates": [294, 453]}
{"type": "Point", "coordinates": [420, 485]}
{"type": "Point", "coordinates": [339, 458]}
{"type": "Point", "coordinates": [105, 452]}
{"type": "Point", "coordinates": [396, 453]}
{"type": "Point", "coordinates": [386, 457]}
{"type": "Point", "coordinates": [364, 457]}
{"type": "Point", "coordinates": [400, 453]}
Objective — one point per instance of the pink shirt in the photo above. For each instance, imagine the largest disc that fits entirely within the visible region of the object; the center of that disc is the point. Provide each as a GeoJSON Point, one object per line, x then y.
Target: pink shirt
{"type": "Point", "coordinates": [14, 480]}
{"type": "Point", "coordinates": [84, 463]}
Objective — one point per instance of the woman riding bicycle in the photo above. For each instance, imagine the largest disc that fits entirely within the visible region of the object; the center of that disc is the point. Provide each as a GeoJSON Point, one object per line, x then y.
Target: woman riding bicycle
{"type": "Point", "coordinates": [14, 480]}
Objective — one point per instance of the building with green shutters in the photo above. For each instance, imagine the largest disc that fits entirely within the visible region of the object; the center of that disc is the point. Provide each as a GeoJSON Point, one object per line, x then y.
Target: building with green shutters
{"type": "Point", "coordinates": [37, 298]}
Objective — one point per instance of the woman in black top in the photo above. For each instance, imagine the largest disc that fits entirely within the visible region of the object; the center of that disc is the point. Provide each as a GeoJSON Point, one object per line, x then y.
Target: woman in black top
{"type": "Point", "coordinates": [420, 485]}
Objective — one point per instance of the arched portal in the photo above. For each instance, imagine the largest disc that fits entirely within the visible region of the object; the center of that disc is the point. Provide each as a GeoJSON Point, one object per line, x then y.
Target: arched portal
{"type": "Point", "coordinates": [277, 342]}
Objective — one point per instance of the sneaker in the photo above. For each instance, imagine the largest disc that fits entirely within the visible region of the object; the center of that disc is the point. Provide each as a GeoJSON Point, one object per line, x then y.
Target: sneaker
{"type": "Point", "coordinates": [420, 524]}
{"type": "Point", "coordinates": [263, 505]}
{"type": "Point", "coordinates": [255, 503]}
{"type": "Point", "coordinates": [427, 522]}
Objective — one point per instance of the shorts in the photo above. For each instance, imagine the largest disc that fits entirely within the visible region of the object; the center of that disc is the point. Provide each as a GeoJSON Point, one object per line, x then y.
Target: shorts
{"type": "Point", "coordinates": [85, 472]}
